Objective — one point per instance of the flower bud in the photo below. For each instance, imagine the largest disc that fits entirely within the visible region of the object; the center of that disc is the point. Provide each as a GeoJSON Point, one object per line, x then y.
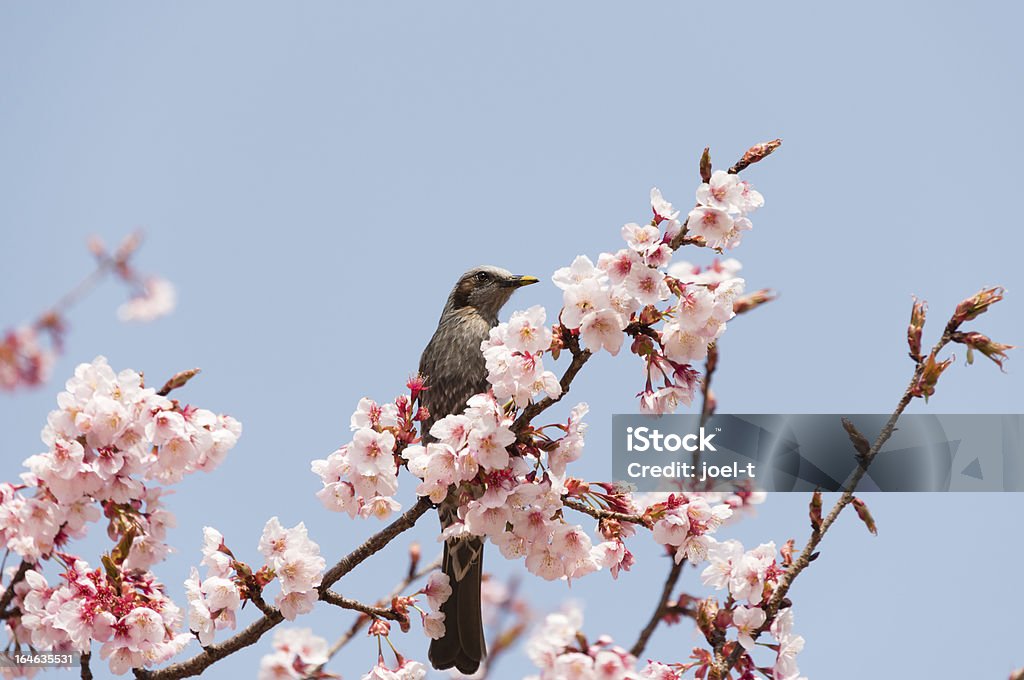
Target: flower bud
{"type": "Point", "coordinates": [707, 612]}
{"type": "Point", "coordinates": [787, 552]}
{"type": "Point", "coordinates": [754, 154]}
{"type": "Point", "coordinates": [379, 627]}
{"type": "Point", "coordinates": [576, 487]}
{"type": "Point", "coordinates": [178, 380]}
{"type": "Point", "coordinates": [642, 345]}
{"type": "Point", "coordinates": [974, 306]}
{"type": "Point", "coordinates": [917, 314]}
{"type": "Point", "coordinates": [416, 384]}
{"type": "Point", "coordinates": [705, 165]}
{"type": "Point", "coordinates": [415, 552]}
{"type": "Point", "coordinates": [745, 303]}
{"type": "Point", "coordinates": [995, 351]}
{"type": "Point", "coordinates": [557, 342]}
{"type": "Point", "coordinates": [650, 315]}
{"type": "Point", "coordinates": [815, 511]}
{"type": "Point", "coordinates": [860, 442]}
{"type": "Point", "coordinates": [865, 515]}
{"type": "Point", "coordinates": [931, 370]}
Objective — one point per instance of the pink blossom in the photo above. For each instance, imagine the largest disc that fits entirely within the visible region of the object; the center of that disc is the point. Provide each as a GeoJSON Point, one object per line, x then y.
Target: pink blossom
{"type": "Point", "coordinates": [526, 331]}
{"type": "Point", "coordinates": [747, 620]}
{"type": "Point", "coordinates": [642, 239]}
{"type": "Point", "coordinates": [711, 224]}
{"type": "Point", "coordinates": [157, 299]}
{"type": "Point", "coordinates": [602, 329]}
{"type": "Point", "coordinates": [437, 590]}
{"type": "Point", "coordinates": [722, 192]}
{"type": "Point", "coordinates": [297, 653]}
{"type": "Point", "coordinates": [581, 270]}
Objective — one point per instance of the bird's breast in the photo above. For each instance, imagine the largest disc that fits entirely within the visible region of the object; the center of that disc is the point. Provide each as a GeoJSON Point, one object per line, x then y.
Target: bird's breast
{"type": "Point", "coordinates": [453, 363]}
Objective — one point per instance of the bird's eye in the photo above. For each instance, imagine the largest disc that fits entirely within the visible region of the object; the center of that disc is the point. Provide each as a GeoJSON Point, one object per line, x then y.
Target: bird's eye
{"type": "Point", "coordinates": [482, 276]}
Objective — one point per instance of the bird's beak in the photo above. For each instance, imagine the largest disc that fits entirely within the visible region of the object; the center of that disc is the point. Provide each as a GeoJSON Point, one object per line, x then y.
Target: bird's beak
{"type": "Point", "coordinates": [520, 281]}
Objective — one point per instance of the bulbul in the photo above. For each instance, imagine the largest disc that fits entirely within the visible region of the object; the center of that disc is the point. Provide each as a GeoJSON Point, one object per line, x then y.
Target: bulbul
{"type": "Point", "coordinates": [454, 369]}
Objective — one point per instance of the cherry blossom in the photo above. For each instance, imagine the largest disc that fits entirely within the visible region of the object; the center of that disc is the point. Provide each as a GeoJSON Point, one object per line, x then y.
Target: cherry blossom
{"type": "Point", "coordinates": [125, 610]}
{"type": "Point", "coordinates": [156, 299]}
{"type": "Point", "coordinates": [24, 358]}
{"type": "Point", "coordinates": [297, 653]}
{"type": "Point", "coordinates": [747, 620]}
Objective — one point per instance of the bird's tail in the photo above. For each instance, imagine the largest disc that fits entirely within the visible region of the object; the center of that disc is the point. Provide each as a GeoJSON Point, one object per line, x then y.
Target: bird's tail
{"type": "Point", "coordinates": [462, 646]}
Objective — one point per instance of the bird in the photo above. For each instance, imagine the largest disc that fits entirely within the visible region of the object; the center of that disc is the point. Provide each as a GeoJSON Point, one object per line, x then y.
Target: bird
{"type": "Point", "coordinates": [453, 368]}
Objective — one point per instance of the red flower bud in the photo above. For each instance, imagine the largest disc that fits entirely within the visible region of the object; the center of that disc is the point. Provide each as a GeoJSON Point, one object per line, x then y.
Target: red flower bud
{"type": "Point", "coordinates": [974, 306]}
{"type": "Point", "coordinates": [745, 303]}
{"type": "Point", "coordinates": [754, 154]}
{"type": "Point", "coordinates": [995, 351]}
{"type": "Point", "coordinates": [705, 165]}
{"type": "Point", "coordinates": [917, 314]}
{"type": "Point", "coordinates": [865, 515]}
{"type": "Point", "coordinates": [379, 627]}
{"type": "Point", "coordinates": [816, 512]}
{"type": "Point", "coordinates": [930, 373]}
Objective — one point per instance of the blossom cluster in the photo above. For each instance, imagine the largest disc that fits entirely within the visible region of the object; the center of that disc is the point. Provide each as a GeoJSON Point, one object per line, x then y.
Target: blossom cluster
{"type": "Point", "coordinates": [291, 557]}
{"type": "Point", "coordinates": [559, 650]}
{"type": "Point", "coordinates": [361, 477]}
{"type": "Point", "coordinates": [25, 358]}
{"type": "Point", "coordinates": [405, 669]}
{"type": "Point", "coordinates": [740, 500]}
{"type": "Point", "coordinates": [298, 654]}
{"type": "Point", "coordinates": [513, 353]}
{"type": "Point", "coordinates": [631, 290]}
{"type": "Point", "coordinates": [437, 591]}
{"type": "Point", "coordinates": [685, 524]}
{"type": "Point", "coordinates": [750, 576]}
{"type": "Point", "coordinates": [214, 601]}
{"type": "Point", "coordinates": [295, 559]}
{"type": "Point", "coordinates": [109, 442]}
{"type": "Point", "coordinates": [123, 608]}
{"type": "Point", "coordinates": [514, 500]}
{"type": "Point", "coordinates": [28, 352]}
{"type": "Point", "coordinates": [723, 203]}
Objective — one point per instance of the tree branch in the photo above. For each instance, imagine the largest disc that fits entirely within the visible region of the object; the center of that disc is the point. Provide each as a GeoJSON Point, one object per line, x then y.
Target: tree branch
{"type": "Point", "coordinates": [361, 620]}
{"type": "Point", "coordinates": [8, 594]}
{"type": "Point", "coordinates": [272, 616]}
{"type": "Point", "coordinates": [660, 608]}
{"type": "Point", "coordinates": [801, 563]}
{"type": "Point", "coordinates": [375, 543]}
{"type": "Point", "coordinates": [579, 357]}
{"type": "Point", "coordinates": [331, 597]}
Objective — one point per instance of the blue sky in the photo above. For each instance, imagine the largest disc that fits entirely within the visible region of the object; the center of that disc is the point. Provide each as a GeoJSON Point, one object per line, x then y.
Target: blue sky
{"type": "Point", "coordinates": [314, 176]}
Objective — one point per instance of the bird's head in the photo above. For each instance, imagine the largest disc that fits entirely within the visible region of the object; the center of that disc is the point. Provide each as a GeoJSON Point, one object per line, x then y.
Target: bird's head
{"type": "Point", "coordinates": [485, 289]}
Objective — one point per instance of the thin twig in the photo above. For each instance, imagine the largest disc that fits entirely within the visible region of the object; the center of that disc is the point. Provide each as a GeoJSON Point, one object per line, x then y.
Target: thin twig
{"type": "Point", "coordinates": [338, 600]}
{"type": "Point", "coordinates": [362, 619]}
{"type": "Point", "coordinates": [786, 581]}
{"type": "Point", "coordinates": [598, 513]}
{"type": "Point", "coordinates": [660, 608]}
{"type": "Point", "coordinates": [104, 264]}
{"type": "Point", "coordinates": [708, 405]}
